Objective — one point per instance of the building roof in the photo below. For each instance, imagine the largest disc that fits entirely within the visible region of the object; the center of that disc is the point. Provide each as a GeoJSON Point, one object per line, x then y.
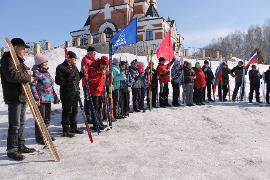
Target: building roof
{"type": "Point", "coordinates": [87, 23]}
{"type": "Point", "coordinates": [152, 11]}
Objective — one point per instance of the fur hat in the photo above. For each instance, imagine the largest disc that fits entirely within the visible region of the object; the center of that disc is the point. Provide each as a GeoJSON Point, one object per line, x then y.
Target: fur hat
{"type": "Point", "coordinates": [39, 59]}
{"type": "Point", "coordinates": [104, 61]}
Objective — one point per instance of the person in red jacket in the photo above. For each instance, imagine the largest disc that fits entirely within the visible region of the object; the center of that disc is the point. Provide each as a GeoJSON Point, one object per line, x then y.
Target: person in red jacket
{"type": "Point", "coordinates": [96, 82]}
{"type": "Point", "coordinates": [164, 78]}
{"type": "Point", "coordinates": [88, 59]}
{"type": "Point", "coordinates": [200, 83]}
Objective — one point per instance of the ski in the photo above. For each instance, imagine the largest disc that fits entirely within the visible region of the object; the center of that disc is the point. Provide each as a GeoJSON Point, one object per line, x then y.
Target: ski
{"type": "Point", "coordinates": [106, 109]}
{"type": "Point", "coordinates": [127, 84]}
{"type": "Point", "coordinates": [33, 106]}
{"type": "Point", "coordinates": [91, 103]}
{"type": "Point", "coordinates": [110, 86]}
{"type": "Point", "coordinates": [78, 94]}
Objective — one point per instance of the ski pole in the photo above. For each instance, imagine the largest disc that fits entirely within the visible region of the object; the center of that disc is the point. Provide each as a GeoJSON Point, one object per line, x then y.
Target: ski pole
{"type": "Point", "coordinates": [91, 103]}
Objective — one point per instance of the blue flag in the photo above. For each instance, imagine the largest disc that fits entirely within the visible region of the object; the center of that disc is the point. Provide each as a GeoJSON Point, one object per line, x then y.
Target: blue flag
{"type": "Point", "coordinates": [125, 36]}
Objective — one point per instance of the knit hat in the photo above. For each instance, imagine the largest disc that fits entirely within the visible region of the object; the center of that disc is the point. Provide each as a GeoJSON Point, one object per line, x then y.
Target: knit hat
{"type": "Point", "coordinates": [206, 62]}
{"type": "Point", "coordinates": [253, 66]}
{"type": "Point", "coordinates": [91, 49]}
{"type": "Point", "coordinates": [134, 62]}
{"type": "Point", "coordinates": [161, 59]}
{"type": "Point", "coordinates": [123, 63]}
{"type": "Point", "coordinates": [39, 59]}
{"type": "Point", "coordinates": [141, 64]}
{"type": "Point", "coordinates": [104, 61]}
{"type": "Point", "coordinates": [198, 65]}
{"type": "Point", "coordinates": [72, 55]}
{"type": "Point", "coordinates": [241, 62]}
{"type": "Point", "coordinates": [115, 60]}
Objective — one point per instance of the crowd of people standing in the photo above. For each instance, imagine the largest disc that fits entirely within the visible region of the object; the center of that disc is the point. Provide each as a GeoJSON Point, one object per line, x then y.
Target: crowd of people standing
{"type": "Point", "coordinates": [136, 79]}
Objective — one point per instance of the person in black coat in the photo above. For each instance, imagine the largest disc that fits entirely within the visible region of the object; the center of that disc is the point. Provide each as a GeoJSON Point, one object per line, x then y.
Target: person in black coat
{"type": "Point", "coordinates": [153, 85]}
{"type": "Point", "coordinates": [267, 81]}
{"type": "Point", "coordinates": [68, 95]}
{"type": "Point", "coordinates": [15, 98]}
{"type": "Point", "coordinates": [209, 76]}
{"type": "Point", "coordinates": [237, 73]}
{"type": "Point", "coordinates": [222, 92]}
{"type": "Point", "coordinates": [254, 78]}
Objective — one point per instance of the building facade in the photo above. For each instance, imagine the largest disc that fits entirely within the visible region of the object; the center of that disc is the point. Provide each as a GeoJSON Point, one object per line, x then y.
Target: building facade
{"type": "Point", "coordinates": [110, 16]}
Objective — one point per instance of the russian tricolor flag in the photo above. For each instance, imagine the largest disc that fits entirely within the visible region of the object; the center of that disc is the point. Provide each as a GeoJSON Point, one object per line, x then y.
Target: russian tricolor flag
{"type": "Point", "coordinates": [218, 75]}
{"type": "Point", "coordinates": [253, 59]}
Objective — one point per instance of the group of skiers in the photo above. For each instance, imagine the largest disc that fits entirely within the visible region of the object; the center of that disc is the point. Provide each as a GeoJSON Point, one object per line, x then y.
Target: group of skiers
{"type": "Point", "coordinates": [136, 78]}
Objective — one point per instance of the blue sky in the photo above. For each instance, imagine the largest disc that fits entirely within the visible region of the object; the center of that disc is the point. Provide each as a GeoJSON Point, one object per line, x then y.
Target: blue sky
{"type": "Point", "coordinates": [197, 21]}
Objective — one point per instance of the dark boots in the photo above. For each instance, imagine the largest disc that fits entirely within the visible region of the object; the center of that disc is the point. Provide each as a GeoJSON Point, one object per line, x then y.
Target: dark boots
{"type": "Point", "coordinates": [67, 133]}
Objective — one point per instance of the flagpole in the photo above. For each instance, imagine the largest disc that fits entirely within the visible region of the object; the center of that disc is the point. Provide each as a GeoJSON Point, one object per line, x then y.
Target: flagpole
{"type": "Point", "coordinates": [136, 48]}
{"type": "Point", "coordinates": [244, 81]}
{"type": "Point", "coordinates": [222, 83]}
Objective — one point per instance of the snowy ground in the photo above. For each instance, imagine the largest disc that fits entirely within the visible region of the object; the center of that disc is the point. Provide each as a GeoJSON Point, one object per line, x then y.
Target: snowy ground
{"type": "Point", "coordinates": [216, 141]}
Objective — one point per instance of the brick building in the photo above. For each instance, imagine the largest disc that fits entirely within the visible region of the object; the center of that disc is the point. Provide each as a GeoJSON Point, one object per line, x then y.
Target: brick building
{"type": "Point", "coordinates": [109, 16]}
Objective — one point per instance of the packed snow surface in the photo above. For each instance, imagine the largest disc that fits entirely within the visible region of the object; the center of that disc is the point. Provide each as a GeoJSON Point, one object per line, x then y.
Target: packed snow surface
{"type": "Point", "coordinates": [215, 141]}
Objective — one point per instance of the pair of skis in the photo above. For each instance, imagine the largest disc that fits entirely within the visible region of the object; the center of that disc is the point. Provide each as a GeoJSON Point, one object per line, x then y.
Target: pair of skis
{"type": "Point", "coordinates": [33, 106]}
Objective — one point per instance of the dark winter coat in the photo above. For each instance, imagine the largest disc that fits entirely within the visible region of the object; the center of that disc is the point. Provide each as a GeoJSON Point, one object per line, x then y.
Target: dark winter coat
{"type": "Point", "coordinates": [225, 76]}
{"type": "Point", "coordinates": [154, 82]}
{"type": "Point", "coordinates": [136, 76]}
{"type": "Point", "coordinates": [63, 79]}
{"type": "Point", "coordinates": [267, 77]}
{"type": "Point", "coordinates": [254, 77]}
{"type": "Point", "coordinates": [125, 84]}
{"type": "Point", "coordinates": [237, 72]}
{"type": "Point", "coordinates": [176, 73]}
{"type": "Point", "coordinates": [209, 76]}
{"type": "Point", "coordinates": [189, 74]}
{"type": "Point", "coordinates": [12, 79]}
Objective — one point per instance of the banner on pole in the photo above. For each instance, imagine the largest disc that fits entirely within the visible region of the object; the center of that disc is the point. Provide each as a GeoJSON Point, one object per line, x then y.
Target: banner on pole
{"type": "Point", "coordinates": [125, 36]}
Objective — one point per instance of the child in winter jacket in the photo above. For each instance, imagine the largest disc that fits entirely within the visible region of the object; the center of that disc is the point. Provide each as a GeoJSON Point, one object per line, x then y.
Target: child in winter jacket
{"type": "Point", "coordinates": [141, 70]}
{"type": "Point", "coordinates": [136, 85]}
{"type": "Point", "coordinates": [96, 74]}
{"type": "Point", "coordinates": [42, 89]}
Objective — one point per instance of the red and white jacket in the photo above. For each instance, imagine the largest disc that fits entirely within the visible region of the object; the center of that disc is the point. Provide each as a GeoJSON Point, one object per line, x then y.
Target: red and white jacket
{"type": "Point", "coordinates": [86, 61]}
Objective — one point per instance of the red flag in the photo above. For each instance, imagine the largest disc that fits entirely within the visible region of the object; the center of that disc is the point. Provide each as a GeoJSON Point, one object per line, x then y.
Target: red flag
{"type": "Point", "coordinates": [165, 49]}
